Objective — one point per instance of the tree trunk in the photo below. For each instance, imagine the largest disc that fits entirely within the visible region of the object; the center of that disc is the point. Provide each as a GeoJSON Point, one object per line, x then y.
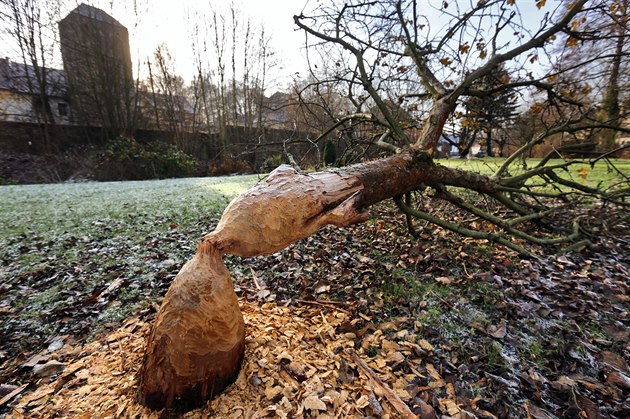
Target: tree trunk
{"type": "Point", "coordinates": [610, 103]}
{"type": "Point", "coordinates": [197, 342]}
{"type": "Point", "coordinates": [467, 144]}
{"type": "Point", "coordinates": [489, 151]}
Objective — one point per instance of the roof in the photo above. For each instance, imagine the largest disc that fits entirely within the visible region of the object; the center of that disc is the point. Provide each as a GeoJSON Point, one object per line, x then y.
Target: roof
{"type": "Point", "coordinates": [15, 77]}
{"type": "Point", "coordinates": [94, 13]}
{"type": "Point", "coordinates": [161, 99]}
{"type": "Point", "coordinates": [276, 101]}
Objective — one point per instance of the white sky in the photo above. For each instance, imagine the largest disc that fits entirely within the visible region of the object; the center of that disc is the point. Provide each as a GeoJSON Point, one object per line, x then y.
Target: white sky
{"type": "Point", "coordinates": [160, 21]}
{"type": "Point", "coordinates": [167, 21]}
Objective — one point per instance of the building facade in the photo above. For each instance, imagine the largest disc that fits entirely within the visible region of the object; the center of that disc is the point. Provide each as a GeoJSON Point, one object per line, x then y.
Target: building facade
{"type": "Point", "coordinates": [97, 64]}
{"type": "Point", "coordinates": [21, 98]}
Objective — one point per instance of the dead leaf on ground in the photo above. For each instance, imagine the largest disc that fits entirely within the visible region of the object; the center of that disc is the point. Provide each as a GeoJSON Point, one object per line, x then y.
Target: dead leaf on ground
{"type": "Point", "coordinates": [497, 331]}
{"type": "Point", "coordinates": [48, 369]}
{"type": "Point", "coordinates": [444, 280]}
{"type": "Point", "coordinates": [536, 412]}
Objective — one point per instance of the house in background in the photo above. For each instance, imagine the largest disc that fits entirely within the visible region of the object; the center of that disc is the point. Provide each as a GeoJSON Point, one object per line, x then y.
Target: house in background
{"type": "Point", "coordinates": [20, 100]}
{"type": "Point", "coordinates": [161, 111]}
{"type": "Point", "coordinates": [94, 89]}
{"type": "Point", "coordinates": [448, 147]}
{"type": "Point", "coordinates": [275, 112]}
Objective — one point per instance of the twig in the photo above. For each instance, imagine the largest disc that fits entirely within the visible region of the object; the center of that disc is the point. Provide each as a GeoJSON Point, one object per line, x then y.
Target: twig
{"type": "Point", "coordinates": [255, 278]}
{"type": "Point", "coordinates": [504, 224]}
{"type": "Point", "coordinates": [393, 398]}
{"type": "Point", "coordinates": [461, 229]}
{"type": "Point", "coordinates": [382, 143]}
{"type": "Point", "coordinates": [623, 147]}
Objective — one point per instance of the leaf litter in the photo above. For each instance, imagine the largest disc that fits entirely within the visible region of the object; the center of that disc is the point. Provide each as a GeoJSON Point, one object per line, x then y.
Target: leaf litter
{"type": "Point", "coordinates": [452, 327]}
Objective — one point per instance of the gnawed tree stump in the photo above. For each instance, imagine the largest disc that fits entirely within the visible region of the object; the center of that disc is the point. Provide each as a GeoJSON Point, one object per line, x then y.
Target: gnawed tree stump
{"type": "Point", "coordinates": [198, 340]}
{"type": "Point", "coordinates": [285, 208]}
{"type": "Point", "coordinates": [197, 343]}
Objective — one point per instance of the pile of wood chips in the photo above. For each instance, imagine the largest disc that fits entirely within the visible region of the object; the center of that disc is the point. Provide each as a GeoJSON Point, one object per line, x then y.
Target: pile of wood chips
{"type": "Point", "coordinates": [299, 362]}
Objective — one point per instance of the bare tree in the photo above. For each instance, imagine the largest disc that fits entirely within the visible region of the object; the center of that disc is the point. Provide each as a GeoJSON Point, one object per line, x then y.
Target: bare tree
{"type": "Point", "coordinates": [170, 97]}
{"type": "Point", "coordinates": [31, 26]}
{"type": "Point", "coordinates": [232, 60]}
{"type": "Point", "coordinates": [593, 53]}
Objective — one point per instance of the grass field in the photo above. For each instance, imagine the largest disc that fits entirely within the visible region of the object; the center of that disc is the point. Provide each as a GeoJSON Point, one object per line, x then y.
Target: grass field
{"type": "Point", "coordinates": [53, 209]}
{"type": "Point", "coordinates": [59, 242]}
{"type": "Point", "coordinates": [601, 173]}
{"type": "Point", "coordinates": [140, 209]}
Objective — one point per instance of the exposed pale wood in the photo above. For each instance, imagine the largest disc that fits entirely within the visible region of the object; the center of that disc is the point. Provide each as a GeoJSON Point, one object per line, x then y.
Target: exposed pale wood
{"type": "Point", "coordinates": [198, 341]}
{"type": "Point", "coordinates": [400, 406]}
{"type": "Point", "coordinates": [284, 208]}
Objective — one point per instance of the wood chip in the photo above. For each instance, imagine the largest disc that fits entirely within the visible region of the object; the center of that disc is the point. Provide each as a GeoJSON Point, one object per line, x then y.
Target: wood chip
{"type": "Point", "coordinates": [48, 369]}
{"type": "Point", "coordinates": [12, 394]}
{"type": "Point", "coordinates": [314, 403]}
{"type": "Point", "coordinates": [295, 365]}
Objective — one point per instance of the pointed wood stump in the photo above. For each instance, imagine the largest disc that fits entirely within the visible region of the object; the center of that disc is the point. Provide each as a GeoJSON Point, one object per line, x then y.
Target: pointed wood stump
{"type": "Point", "coordinates": [197, 343]}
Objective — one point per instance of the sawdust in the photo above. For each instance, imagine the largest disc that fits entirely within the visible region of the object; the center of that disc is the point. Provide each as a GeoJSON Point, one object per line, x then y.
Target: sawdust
{"type": "Point", "coordinates": [298, 363]}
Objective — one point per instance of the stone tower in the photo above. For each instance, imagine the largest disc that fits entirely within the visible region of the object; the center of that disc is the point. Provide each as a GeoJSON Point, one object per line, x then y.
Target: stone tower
{"type": "Point", "coordinates": [97, 63]}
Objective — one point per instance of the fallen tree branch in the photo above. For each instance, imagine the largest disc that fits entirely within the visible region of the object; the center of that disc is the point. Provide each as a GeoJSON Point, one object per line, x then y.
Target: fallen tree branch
{"type": "Point", "coordinates": [382, 143]}
{"type": "Point", "coordinates": [503, 224]}
{"type": "Point", "coordinates": [458, 228]}
{"type": "Point", "coordinates": [12, 394]}
{"type": "Point", "coordinates": [610, 153]}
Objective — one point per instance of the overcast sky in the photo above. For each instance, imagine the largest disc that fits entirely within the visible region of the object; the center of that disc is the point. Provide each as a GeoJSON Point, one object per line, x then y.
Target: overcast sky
{"type": "Point", "coordinates": [152, 22]}
{"type": "Point", "coordinates": [167, 21]}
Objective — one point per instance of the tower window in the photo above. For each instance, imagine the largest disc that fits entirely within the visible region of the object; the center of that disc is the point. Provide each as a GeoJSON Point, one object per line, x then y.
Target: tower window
{"type": "Point", "coordinates": [63, 109]}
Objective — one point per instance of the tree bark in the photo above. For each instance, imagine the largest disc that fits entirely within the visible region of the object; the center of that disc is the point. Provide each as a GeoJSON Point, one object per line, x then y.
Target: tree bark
{"type": "Point", "coordinates": [610, 103]}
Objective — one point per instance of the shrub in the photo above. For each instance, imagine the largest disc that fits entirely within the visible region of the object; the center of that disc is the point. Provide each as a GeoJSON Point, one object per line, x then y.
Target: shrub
{"type": "Point", "coordinates": [126, 159]}
{"type": "Point", "coordinates": [227, 165]}
{"type": "Point", "coordinates": [272, 162]}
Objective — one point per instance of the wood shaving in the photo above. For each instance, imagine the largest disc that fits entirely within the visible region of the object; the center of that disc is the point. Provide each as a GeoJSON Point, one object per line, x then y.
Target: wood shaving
{"type": "Point", "coordinates": [296, 365]}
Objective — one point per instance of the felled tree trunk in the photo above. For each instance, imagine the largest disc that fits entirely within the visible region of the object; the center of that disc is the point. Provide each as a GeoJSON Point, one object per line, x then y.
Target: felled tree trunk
{"type": "Point", "coordinates": [197, 343]}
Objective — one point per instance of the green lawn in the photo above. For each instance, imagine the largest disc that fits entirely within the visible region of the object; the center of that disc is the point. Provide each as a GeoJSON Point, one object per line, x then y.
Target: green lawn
{"type": "Point", "coordinates": [62, 243]}
{"type": "Point", "coordinates": [49, 210]}
{"type": "Point", "coordinates": [584, 174]}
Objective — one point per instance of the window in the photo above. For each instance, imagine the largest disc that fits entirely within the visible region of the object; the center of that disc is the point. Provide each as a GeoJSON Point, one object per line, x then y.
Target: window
{"type": "Point", "coordinates": [63, 109]}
